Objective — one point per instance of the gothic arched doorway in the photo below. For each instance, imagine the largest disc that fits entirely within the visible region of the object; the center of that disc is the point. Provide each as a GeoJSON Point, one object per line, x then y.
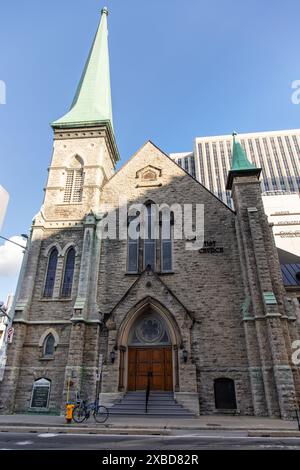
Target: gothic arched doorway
{"type": "Point", "coordinates": [150, 354]}
{"type": "Point", "coordinates": [150, 349]}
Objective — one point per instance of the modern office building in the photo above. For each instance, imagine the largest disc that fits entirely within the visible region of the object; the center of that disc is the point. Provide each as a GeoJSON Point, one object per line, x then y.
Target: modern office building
{"type": "Point", "coordinates": [283, 211]}
{"type": "Point", "coordinates": [277, 153]}
{"type": "Point", "coordinates": [4, 198]}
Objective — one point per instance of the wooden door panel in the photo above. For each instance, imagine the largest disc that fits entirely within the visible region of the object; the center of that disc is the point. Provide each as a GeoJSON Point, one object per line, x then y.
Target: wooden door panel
{"type": "Point", "coordinates": [131, 369]}
{"type": "Point", "coordinates": [158, 355]}
{"type": "Point", "coordinates": [168, 367]}
{"type": "Point", "coordinates": [158, 368]}
{"type": "Point", "coordinates": [143, 367]}
{"type": "Point", "coordinates": [158, 383]}
{"type": "Point", "coordinates": [158, 361]}
{"type": "Point", "coordinates": [141, 382]}
{"type": "Point", "coordinates": [143, 355]}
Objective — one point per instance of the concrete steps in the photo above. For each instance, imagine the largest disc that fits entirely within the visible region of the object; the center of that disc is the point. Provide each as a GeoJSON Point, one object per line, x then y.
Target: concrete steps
{"type": "Point", "coordinates": [160, 404]}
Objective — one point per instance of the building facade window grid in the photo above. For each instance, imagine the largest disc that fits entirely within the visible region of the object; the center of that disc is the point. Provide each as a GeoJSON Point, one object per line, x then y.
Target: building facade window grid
{"type": "Point", "coordinates": [297, 147]}
{"type": "Point", "coordinates": [201, 164]}
{"type": "Point", "coordinates": [252, 154]}
{"type": "Point", "coordinates": [186, 164]}
{"type": "Point", "coordinates": [270, 164]}
{"type": "Point", "coordinates": [228, 199]}
{"type": "Point", "coordinates": [217, 171]}
{"type": "Point", "coordinates": [286, 165]}
{"type": "Point", "coordinates": [193, 166]}
{"type": "Point", "coordinates": [210, 179]}
{"type": "Point", "coordinates": [225, 168]}
{"type": "Point", "coordinates": [297, 151]}
{"type": "Point", "coordinates": [229, 151]}
{"type": "Point", "coordinates": [262, 165]}
{"type": "Point", "coordinates": [292, 157]}
{"type": "Point", "coordinates": [277, 159]}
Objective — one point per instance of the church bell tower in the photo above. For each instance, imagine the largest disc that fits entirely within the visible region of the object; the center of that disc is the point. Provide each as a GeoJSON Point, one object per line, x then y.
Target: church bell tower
{"type": "Point", "coordinates": [85, 151]}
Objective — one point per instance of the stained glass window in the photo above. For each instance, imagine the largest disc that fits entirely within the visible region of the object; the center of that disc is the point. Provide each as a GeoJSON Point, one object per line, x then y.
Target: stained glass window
{"type": "Point", "coordinates": [68, 274]}
{"type": "Point", "coordinates": [49, 346]}
{"type": "Point", "coordinates": [51, 272]}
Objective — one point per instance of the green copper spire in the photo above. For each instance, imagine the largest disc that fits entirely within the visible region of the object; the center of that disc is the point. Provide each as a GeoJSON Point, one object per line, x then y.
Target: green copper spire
{"type": "Point", "coordinates": [239, 157]}
{"type": "Point", "coordinates": [240, 164]}
{"type": "Point", "coordinates": [92, 102]}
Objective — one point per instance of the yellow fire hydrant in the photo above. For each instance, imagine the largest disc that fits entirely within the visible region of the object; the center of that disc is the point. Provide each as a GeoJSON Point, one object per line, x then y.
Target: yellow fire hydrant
{"type": "Point", "coordinates": [69, 412]}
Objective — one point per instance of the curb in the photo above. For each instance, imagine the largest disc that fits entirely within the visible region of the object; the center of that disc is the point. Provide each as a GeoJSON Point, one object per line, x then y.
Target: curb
{"type": "Point", "coordinates": [77, 430]}
{"type": "Point", "coordinates": [282, 433]}
{"type": "Point", "coordinates": [69, 429]}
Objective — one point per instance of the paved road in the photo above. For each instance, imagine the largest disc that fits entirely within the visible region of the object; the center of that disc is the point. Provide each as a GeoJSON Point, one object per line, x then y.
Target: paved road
{"type": "Point", "coordinates": [184, 441]}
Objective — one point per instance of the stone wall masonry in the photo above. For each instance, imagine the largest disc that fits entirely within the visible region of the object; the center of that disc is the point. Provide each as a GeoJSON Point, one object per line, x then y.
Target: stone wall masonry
{"type": "Point", "coordinates": [204, 300]}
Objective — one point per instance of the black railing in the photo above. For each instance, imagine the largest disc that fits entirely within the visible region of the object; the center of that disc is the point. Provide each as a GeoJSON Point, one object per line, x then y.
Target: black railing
{"type": "Point", "coordinates": [148, 390]}
{"type": "Point", "coordinates": [298, 418]}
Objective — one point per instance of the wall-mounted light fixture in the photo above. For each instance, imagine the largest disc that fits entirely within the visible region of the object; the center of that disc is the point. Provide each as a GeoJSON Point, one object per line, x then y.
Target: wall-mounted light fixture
{"type": "Point", "coordinates": [185, 355]}
{"type": "Point", "coordinates": [112, 356]}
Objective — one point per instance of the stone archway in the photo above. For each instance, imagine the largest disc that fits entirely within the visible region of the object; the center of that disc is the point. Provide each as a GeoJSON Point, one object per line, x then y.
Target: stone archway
{"type": "Point", "coordinates": [148, 341]}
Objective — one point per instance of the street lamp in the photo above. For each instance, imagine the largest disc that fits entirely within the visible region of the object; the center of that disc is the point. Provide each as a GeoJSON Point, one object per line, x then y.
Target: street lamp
{"type": "Point", "coordinates": [3, 311]}
{"type": "Point", "coordinates": [23, 235]}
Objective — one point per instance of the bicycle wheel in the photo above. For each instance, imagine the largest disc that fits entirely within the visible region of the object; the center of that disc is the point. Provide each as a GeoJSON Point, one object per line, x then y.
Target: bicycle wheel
{"type": "Point", "coordinates": [79, 414]}
{"type": "Point", "coordinates": [101, 414]}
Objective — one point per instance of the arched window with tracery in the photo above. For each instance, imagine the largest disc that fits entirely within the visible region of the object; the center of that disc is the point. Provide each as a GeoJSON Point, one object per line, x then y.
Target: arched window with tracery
{"type": "Point", "coordinates": [67, 284]}
{"type": "Point", "coordinates": [49, 346]}
{"type": "Point", "coordinates": [145, 250]}
{"type": "Point", "coordinates": [51, 273]}
{"type": "Point", "coordinates": [150, 241]}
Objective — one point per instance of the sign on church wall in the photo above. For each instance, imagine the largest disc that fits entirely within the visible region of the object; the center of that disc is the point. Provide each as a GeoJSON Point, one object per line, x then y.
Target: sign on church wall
{"type": "Point", "coordinates": [40, 394]}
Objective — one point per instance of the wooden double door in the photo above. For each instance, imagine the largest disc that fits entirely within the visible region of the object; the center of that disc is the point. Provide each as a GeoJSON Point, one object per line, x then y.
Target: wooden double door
{"type": "Point", "coordinates": [156, 361]}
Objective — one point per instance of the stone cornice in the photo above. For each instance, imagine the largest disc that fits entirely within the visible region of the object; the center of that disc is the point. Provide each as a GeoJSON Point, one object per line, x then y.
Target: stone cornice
{"type": "Point", "coordinates": [56, 322]}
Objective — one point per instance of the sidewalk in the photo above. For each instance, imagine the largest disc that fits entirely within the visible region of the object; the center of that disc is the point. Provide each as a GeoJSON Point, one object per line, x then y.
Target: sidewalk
{"type": "Point", "coordinates": [138, 425]}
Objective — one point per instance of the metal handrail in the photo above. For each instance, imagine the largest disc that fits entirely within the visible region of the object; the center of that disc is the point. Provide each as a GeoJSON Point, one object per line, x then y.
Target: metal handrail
{"type": "Point", "coordinates": [148, 390]}
{"type": "Point", "coordinates": [298, 418]}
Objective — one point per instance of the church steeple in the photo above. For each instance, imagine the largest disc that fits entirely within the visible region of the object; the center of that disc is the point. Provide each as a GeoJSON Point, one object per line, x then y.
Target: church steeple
{"type": "Point", "coordinates": [240, 163]}
{"type": "Point", "coordinates": [239, 157]}
{"type": "Point", "coordinates": [92, 102]}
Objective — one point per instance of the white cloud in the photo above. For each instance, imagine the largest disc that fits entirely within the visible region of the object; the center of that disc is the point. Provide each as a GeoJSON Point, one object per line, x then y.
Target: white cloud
{"type": "Point", "coordinates": [11, 257]}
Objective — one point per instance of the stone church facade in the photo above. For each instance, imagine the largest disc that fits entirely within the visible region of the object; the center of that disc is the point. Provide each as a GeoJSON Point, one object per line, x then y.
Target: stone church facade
{"type": "Point", "coordinates": [214, 326]}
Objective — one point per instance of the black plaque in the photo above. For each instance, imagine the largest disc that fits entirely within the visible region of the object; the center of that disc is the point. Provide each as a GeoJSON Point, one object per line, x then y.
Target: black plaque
{"type": "Point", "coordinates": [40, 397]}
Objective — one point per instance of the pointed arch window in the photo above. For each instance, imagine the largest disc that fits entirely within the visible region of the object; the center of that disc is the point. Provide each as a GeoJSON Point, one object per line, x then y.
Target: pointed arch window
{"type": "Point", "coordinates": [133, 255]}
{"type": "Point", "coordinates": [51, 273]}
{"type": "Point", "coordinates": [149, 242]}
{"type": "Point", "coordinates": [145, 251]}
{"type": "Point", "coordinates": [49, 346]}
{"type": "Point", "coordinates": [166, 235]}
{"type": "Point", "coordinates": [166, 254]}
{"type": "Point", "coordinates": [68, 274]}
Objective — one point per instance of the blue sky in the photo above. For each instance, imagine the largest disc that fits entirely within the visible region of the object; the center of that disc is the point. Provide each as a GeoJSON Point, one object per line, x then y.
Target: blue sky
{"type": "Point", "coordinates": [179, 69]}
